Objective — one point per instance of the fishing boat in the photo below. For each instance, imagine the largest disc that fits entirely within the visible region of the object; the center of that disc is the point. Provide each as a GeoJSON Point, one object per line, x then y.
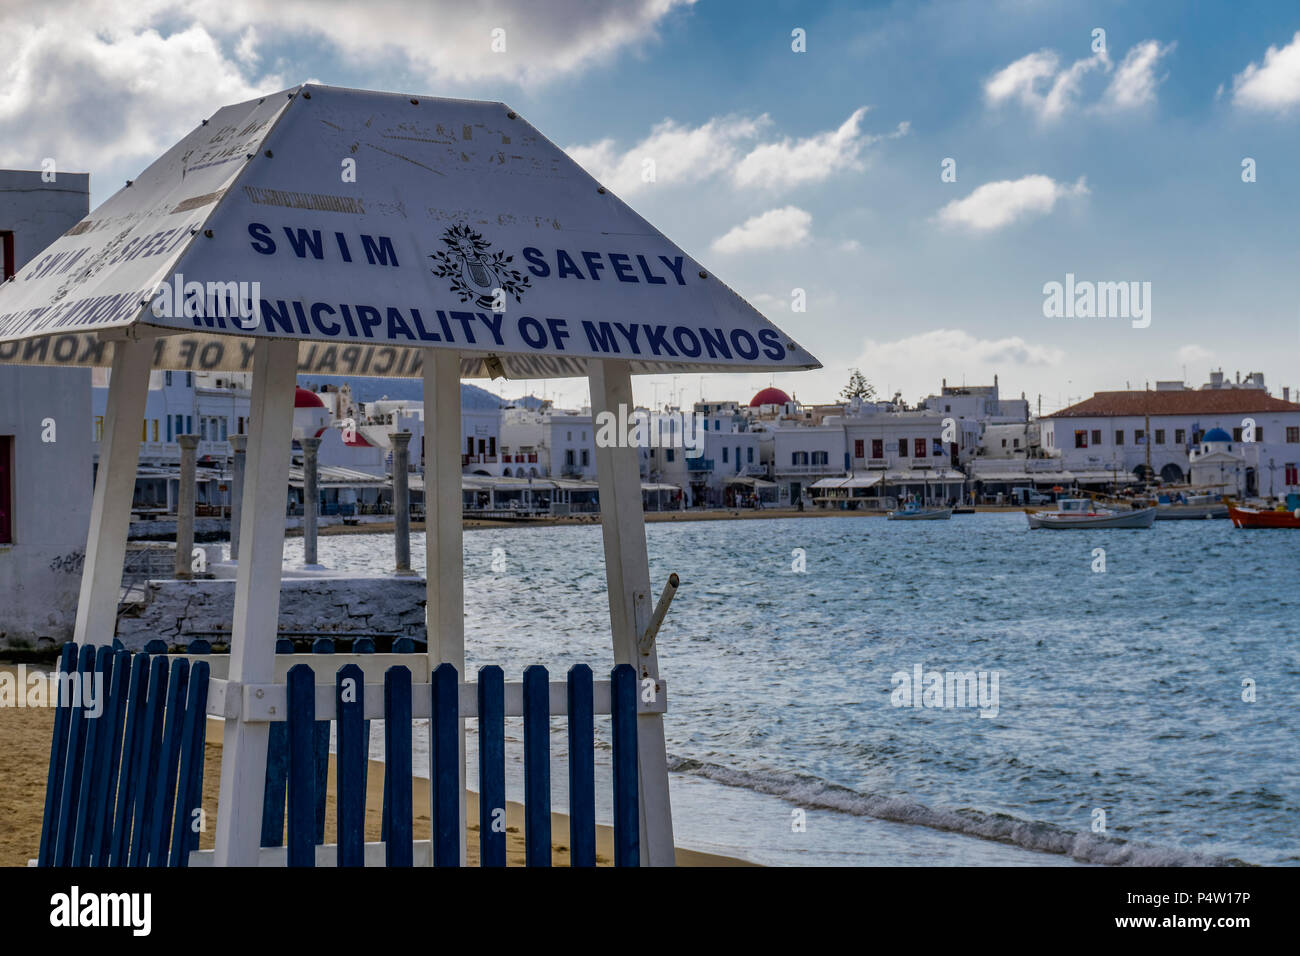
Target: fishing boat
{"type": "Point", "coordinates": [1184, 507]}
{"type": "Point", "coordinates": [1084, 513]}
{"type": "Point", "coordinates": [914, 511]}
{"type": "Point", "coordinates": [1243, 517]}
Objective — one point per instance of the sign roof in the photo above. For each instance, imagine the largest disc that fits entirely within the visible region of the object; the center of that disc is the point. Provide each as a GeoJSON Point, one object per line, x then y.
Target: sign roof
{"type": "Point", "coordinates": [372, 226]}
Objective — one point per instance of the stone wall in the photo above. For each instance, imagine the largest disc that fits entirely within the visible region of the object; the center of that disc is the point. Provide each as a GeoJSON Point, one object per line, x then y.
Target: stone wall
{"type": "Point", "coordinates": [173, 610]}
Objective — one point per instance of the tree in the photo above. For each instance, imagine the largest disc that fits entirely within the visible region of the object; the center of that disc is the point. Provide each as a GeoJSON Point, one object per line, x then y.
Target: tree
{"type": "Point", "coordinates": [858, 387]}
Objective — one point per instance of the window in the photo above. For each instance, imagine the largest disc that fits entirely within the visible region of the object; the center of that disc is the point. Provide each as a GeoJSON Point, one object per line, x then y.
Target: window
{"type": "Point", "coordinates": [1015, 443]}
{"type": "Point", "coordinates": [568, 458]}
{"type": "Point", "coordinates": [877, 448]}
{"type": "Point", "coordinates": [155, 429]}
{"type": "Point", "coordinates": [189, 422]}
{"type": "Point", "coordinates": [1259, 433]}
{"type": "Point", "coordinates": [586, 457]}
{"type": "Point", "coordinates": [99, 428]}
{"type": "Point", "coordinates": [1096, 436]}
{"type": "Point", "coordinates": [492, 445]}
{"type": "Point", "coordinates": [749, 455]}
{"type": "Point", "coordinates": [1292, 434]}
{"type": "Point", "coordinates": [167, 378]}
{"type": "Point", "coordinates": [1160, 436]}
{"type": "Point", "coordinates": [241, 425]}
{"type": "Point", "coordinates": [7, 241]}
{"type": "Point", "coordinates": [672, 455]}
{"type": "Point", "coordinates": [568, 436]}
{"type": "Point", "coordinates": [469, 445]}
{"type": "Point", "coordinates": [902, 448]}
{"type": "Point", "coordinates": [144, 429]}
{"type": "Point", "coordinates": [820, 457]}
{"type": "Point", "coordinates": [725, 450]}
{"type": "Point", "coordinates": [1004, 443]}
{"type": "Point", "coordinates": [6, 486]}
{"type": "Point", "coordinates": [737, 458]}
{"type": "Point", "coordinates": [1139, 436]}
{"type": "Point", "coordinates": [1119, 436]}
{"type": "Point", "coordinates": [1236, 433]}
{"type": "Point", "coordinates": [1080, 439]}
{"type": "Point", "coordinates": [918, 447]}
{"type": "Point", "coordinates": [859, 448]}
{"type": "Point", "coordinates": [1291, 477]}
{"type": "Point", "coordinates": [1180, 436]}
{"type": "Point", "coordinates": [189, 379]}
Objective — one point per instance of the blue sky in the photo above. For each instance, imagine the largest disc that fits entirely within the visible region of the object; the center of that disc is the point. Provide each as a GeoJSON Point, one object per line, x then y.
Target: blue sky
{"type": "Point", "coordinates": [818, 170]}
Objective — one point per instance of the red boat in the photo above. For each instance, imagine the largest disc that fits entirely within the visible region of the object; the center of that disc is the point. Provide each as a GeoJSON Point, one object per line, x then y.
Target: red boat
{"type": "Point", "coordinates": [1255, 518]}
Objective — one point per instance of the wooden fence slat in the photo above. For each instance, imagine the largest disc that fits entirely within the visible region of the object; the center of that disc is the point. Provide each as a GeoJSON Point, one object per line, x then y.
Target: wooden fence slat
{"type": "Point", "coordinates": [277, 771]}
{"type": "Point", "coordinates": [582, 767]}
{"type": "Point", "coordinates": [404, 645]}
{"type": "Point", "coordinates": [444, 747]}
{"type": "Point", "coordinates": [169, 763]}
{"type": "Point", "coordinates": [492, 765]}
{"type": "Point", "coordinates": [627, 839]}
{"type": "Point", "coordinates": [321, 750]}
{"type": "Point", "coordinates": [189, 786]}
{"type": "Point", "coordinates": [364, 645]}
{"type": "Point", "coordinates": [106, 788]}
{"type": "Point", "coordinates": [146, 779]}
{"type": "Point", "coordinates": [74, 760]}
{"type": "Point", "coordinates": [537, 767]}
{"type": "Point", "coordinates": [302, 769]}
{"type": "Point", "coordinates": [98, 731]}
{"type": "Point", "coordinates": [156, 646]}
{"type": "Point", "coordinates": [58, 761]}
{"type": "Point", "coordinates": [353, 754]}
{"type": "Point", "coordinates": [398, 849]}
{"type": "Point", "coordinates": [132, 748]}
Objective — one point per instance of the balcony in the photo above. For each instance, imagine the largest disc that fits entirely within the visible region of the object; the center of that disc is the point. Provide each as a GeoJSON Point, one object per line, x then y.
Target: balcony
{"type": "Point", "coordinates": [480, 459]}
{"type": "Point", "coordinates": [826, 469]}
{"type": "Point", "coordinates": [699, 464]}
{"type": "Point", "coordinates": [877, 462]}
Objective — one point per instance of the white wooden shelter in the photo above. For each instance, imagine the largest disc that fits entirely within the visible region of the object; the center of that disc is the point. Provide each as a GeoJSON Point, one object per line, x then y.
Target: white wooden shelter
{"type": "Point", "coordinates": [389, 235]}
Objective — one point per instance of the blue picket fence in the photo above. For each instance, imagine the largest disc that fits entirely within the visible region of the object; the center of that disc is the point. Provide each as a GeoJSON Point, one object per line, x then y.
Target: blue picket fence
{"type": "Point", "coordinates": [297, 767]}
{"type": "Point", "coordinates": [125, 784]}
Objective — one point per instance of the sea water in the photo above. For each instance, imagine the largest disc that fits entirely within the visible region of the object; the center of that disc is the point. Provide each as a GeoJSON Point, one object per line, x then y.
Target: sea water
{"type": "Point", "coordinates": [1146, 704]}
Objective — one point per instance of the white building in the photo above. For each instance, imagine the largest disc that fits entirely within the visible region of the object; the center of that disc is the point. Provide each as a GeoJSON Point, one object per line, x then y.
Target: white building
{"type": "Point", "coordinates": [547, 442]}
{"type": "Point", "coordinates": [1124, 434]}
{"type": "Point", "coordinates": [45, 436]}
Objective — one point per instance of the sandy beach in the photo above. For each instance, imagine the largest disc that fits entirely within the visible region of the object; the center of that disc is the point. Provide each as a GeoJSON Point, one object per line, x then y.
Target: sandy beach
{"type": "Point", "coordinates": [24, 761]}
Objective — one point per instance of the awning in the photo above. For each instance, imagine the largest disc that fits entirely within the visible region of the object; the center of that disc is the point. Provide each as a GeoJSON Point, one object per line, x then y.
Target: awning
{"type": "Point", "coordinates": [647, 486]}
{"type": "Point", "coordinates": [458, 200]}
{"type": "Point", "coordinates": [828, 482]}
{"type": "Point", "coordinates": [333, 476]}
{"type": "Point", "coordinates": [751, 482]}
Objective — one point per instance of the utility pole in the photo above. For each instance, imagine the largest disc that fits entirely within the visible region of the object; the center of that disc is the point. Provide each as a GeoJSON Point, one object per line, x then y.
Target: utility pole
{"type": "Point", "coordinates": [1146, 435]}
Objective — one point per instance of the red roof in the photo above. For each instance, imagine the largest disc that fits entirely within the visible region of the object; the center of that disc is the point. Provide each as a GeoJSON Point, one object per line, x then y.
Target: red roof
{"type": "Point", "coordinates": [302, 398]}
{"type": "Point", "coordinates": [1211, 401]}
{"type": "Point", "coordinates": [769, 396]}
{"type": "Point", "coordinates": [358, 440]}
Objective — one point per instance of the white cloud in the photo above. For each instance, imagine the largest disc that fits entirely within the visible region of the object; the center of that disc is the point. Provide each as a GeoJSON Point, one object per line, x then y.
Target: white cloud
{"type": "Point", "coordinates": [120, 80]}
{"type": "Point", "coordinates": [1001, 203]}
{"type": "Point", "coordinates": [683, 155]}
{"type": "Point", "coordinates": [1039, 83]}
{"type": "Point", "coordinates": [916, 364]}
{"type": "Point", "coordinates": [1134, 83]}
{"type": "Point", "coordinates": [1273, 86]}
{"type": "Point", "coordinates": [794, 162]}
{"type": "Point", "coordinates": [775, 229]}
{"type": "Point", "coordinates": [1192, 354]}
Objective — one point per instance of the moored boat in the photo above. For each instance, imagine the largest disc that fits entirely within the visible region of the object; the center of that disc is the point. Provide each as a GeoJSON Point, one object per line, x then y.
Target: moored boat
{"type": "Point", "coordinates": [1083, 513]}
{"type": "Point", "coordinates": [912, 511]}
{"type": "Point", "coordinates": [1183, 507]}
{"type": "Point", "coordinates": [1259, 518]}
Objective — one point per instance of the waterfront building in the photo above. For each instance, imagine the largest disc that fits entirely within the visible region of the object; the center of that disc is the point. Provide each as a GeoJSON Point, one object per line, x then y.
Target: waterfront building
{"type": "Point", "coordinates": [1130, 435]}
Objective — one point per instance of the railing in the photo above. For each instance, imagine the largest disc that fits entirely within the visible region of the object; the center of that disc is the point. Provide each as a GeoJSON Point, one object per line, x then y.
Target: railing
{"type": "Point", "coordinates": [809, 469]}
{"type": "Point", "coordinates": [699, 464]}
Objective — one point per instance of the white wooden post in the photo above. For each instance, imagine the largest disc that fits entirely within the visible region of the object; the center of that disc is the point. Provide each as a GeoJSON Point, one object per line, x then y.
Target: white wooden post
{"type": "Point", "coordinates": [627, 576]}
{"type": "Point", "coordinates": [110, 510]}
{"type": "Point", "coordinates": [257, 596]}
{"type": "Point", "coordinates": [444, 533]}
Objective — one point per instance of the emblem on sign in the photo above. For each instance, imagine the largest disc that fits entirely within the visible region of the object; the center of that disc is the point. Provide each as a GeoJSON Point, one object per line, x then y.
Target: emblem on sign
{"type": "Point", "coordinates": [476, 271]}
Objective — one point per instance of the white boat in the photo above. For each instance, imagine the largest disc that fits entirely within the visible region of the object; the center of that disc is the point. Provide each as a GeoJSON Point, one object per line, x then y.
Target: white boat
{"type": "Point", "coordinates": [911, 511]}
{"type": "Point", "coordinates": [1083, 513]}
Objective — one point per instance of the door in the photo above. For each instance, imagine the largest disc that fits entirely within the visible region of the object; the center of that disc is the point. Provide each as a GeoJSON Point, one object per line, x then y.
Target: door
{"type": "Point", "coordinates": [6, 489]}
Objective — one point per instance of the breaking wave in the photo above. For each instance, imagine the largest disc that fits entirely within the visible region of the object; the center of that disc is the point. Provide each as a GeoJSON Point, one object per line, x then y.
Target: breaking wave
{"type": "Point", "coordinates": [1086, 847]}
